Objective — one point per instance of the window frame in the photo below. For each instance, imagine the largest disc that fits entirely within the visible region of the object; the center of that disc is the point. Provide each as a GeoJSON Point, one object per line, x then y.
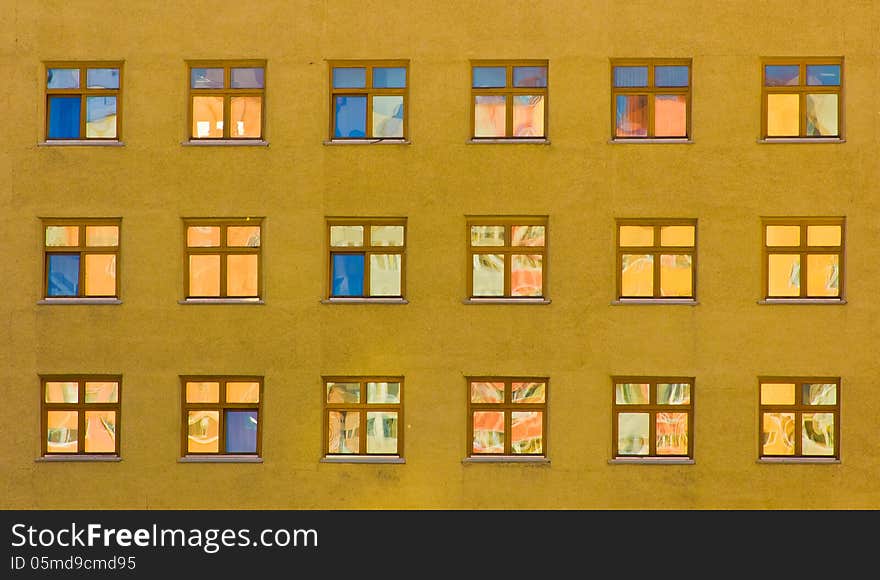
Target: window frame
{"type": "Point", "coordinates": [363, 408]}
{"type": "Point", "coordinates": [83, 92]}
{"type": "Point", "coordinates": [81, 407]}
{"type": "Point", "coordinates": [368, 91]}
{"type": "Point", "coordinates": [798, 409]}
{"type": "Point", "coordinates": [367, 249]}
{"type": "Point", "coordinates": [507, 250]}
{"type": "Point", "coordinates": [803, 250]}
{"type": "Point", "coordinates": [224, 252]}
{"type": "Point", "coordinates": [508, 91]}
{"type": "Point", "coordinates": [652, 408]}
{"type": "Point", "coordinates": [227, 92]}
{"type": "Point", "coordinates": [651, 90]}
{"type": "Point", "coordinates": [507, 407]}
{"type": "Point", "coordinates": [656, 251]}
{"type": "Point", "coordinates": [802, 89]}
{"type": "Point", "coordinates": [81, 250]}
{"type": "Point", "coordinates": [221, 406]}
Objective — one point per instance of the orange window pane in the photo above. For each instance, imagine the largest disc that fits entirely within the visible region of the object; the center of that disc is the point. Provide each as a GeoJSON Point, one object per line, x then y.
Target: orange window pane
{"type": "Point", "coordinates": [637, 275]}
{"type": "Point", "coordinates": [823, 275]}
{"type": "Point", "coordinates": [783, 275]}
{"type": "Point", "coordinates": [203, 432]}
{"type": "Point", "coordinates": [100, 274]}
{"type": "Point", "coordinates": [102, 392]}
{"type": "Point", "coordinates": [243, 236]}
{"type": "Point", "coordinates": [672, 433]}
{"type": "Point", "coordinates": [100, 432]}
{"type": "Point", "coordinates": [783, 115]}
{"type": "Point", "coordinates": [823, 235]}
{"type": "Point", "coordinates": [783, 235]}
{"type": "Point", "coordinates": [65, 236]}
{"type": "Point", "coordinates": [202, 392]}
{"type": "Point", "coordinates": [636, 236]}
{"type": "Point", "coordinates": [102, 236]}
{"type": "Point", "coordinates": [488, 432]}
{"type": "Point", "coordinates": [203, 236]}
{"type": "Point", "coordinates": [241, 275]}
{"type": "Point", "coordinates": [676, 275]}
{"type": "Point", "coordinates": [245, 392]}
{"type": "Point", "coordinates": [204, 275]}
{"type": "Point", "coordinates": [484, 392]}
{"type": "Point", "coordinates": [777, 434]}
{"type": "Point", "coordinates": [677, 236]}
{"type": "Point", "coordinates": [246, 117]}
{"type": "Point", "coordinates": [526, 431]}
{"type": "Point", "coordinates": [207, 117]}
{"type": "Point", "coordinates": [777, 393]}
{"type": "Point", "coordinates": [62, 431]}
{"type": "Point", "coordinates": [62, 392]}
{"type": "Point", "coordinates": [670, 116]}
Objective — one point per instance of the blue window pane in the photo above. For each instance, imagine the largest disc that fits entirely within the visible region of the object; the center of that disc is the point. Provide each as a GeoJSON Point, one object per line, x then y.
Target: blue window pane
{"type": "Point", "coordinates": [63, 78]}
{"type": "Point", "coordinates": [206, 78]}
{"type": "Point", "coordinates": [630, 76]}
{"type": "Point", "coordinates": [781, 75]}
{"type": "Point", "coordinates": [530, 76]}
{"type": "Point", "coordinates": [823, 74]}
{"type": "Point", "coordinates": [349, 78]}
{"type": "Point", "coordinates": [64, 117]}
{"type": "Point", "coordinates": [348, 275]}
{"type": "Point", "coordinates": [671, 76]}
{"type": "Point", "coordinates": [63, 275]}
{"type": "Point", "coordinates": [490, 76]}
{"type": "Point", "coordinates": [389, 78]}
{"type": "Point", "coordinates": [351, 117]}
{"type": "Point", "coordinates": [102, 78]}
{"type": "Point", "coordinates": [247, 78]}
{"type": "Point", "coordinates": [241, 431]}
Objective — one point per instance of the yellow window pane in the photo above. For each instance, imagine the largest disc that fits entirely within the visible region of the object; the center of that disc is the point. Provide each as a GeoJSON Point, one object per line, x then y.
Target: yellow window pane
{"type": "Point", "coordinates": [246, 117]}
{"type": "Point", "coordinates": [204, 275]}
{"type": "Point", "coordinates": [676, 275]}
{"type": "Point", "coordinates": [487, 235]}
{"type": "Point", "coordinates": [385, 275]}
{"type": "Point", "coordinates": [66, 236]}
{"type": "Point", "coordinates": [207, 117]}
{"type": "Point", "coordinates": [677, 236]}
{"type": "Point", "coordinates": [783, 236]}
{"type": "Point", "coordinates": [637, 275]}
{"type": "Point", "coordinates": [636, 236]}
{"type": "Point", "coordinates": [241, 275]}
{"type": "Point", "coordinates": [783, 275]}
{"type": "Point", "coordinates": [243, 236]}
{"type": "Point", "coordinates": [203, 430]}
{"type": "Point", "coordinates": [100, 274]}
{"type": "Point", "coordinates": [202, 392]}
{"type": "Point", "coordinates": [777, 393]}
{"type": "Point", "coordinates": [822, 113]}
{"type": "Point", "coordinates": [203, 236]}
{"type": "Point", "coordinates": [783, 115]}
{"type": "Point", "coordinates": [102, 392]}
{"type": "Point", "coordinates": [823, 275]}
{"type": "Point", "coordinates": [62, 431]}
{"type": "Point", "coordinates": [100, 432]}
{"type": "Point", "coordinates": [386, 235]}
{"type": "Point", "coordinates": [244, 392]}
{"type": "Point", "coordinates": [777, 434]}
{"type": "Point", "coordinates": [346, 236]}
{"type": "Point", "coordinates": [823, 235]}
{"type": "Point", "coordinates": [488, 275]}
{"type": "Point", "coordinates": [62, 392]}
{"type": "Point", "coordinates": [102, 236]}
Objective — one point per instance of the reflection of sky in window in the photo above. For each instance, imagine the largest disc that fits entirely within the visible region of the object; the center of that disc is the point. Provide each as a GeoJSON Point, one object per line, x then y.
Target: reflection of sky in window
{"type": "Point", "coordinates": [489, 76]}
{"type": "Point", "coordinates": [63, 78]}
{"type": "Point", "coordinates": [671, 76]}
{"type": "Point", "coordinates": [781, 75]}
{"type": "Point", "coordinates": [100, 107]}
{"type": "Point", "coordinates": [389, 77]}
{"type": "Point", "coordinates": [349, 78]}
{"type": "Point", "coordinates": [530, 76]}
{"type": "Point", "coordinates": [630, 76]}
{"type": "Point", "coordinates": [247, 78]}
{"type": "Point", "coordinates": [823, 74]}
{"type": "Point", "coordinates": [351, 117]}
{"type": "Point", "coordinates": [102, 78]}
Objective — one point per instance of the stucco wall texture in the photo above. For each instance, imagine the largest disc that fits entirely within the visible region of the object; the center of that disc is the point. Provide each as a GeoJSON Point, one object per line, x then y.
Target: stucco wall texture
{"type": "Point", "coordinates": [725, 179]}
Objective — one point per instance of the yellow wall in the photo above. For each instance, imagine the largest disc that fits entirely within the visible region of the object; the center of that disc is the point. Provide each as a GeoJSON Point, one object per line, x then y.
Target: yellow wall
{"type": "Point", "coordinates": [725, 179]}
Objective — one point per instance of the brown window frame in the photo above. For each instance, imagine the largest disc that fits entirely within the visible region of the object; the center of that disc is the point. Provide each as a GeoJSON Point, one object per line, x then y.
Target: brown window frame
{"type": "Point", "coordinates": [799, 408]}
{"type": "Point", "coordinates": [509, 91]}
{"type": "Point", "coordinates": [507, 407]}
{"type": "Point", "coordinates": [652, 408]}
{"type": "Point", "coordinates": [82, 250]}
{"type": "Point", "coordinates": [651, 91]}
{"type": "Point", "coordinates": [363, 408]}
{"type": "Point", "coordinates": [367, 249]}
{"type": "Point", "coordinates": [83, 92]}
{"type": "Point", "coordinates": [80, 407]}
{"type": "Point", "coordinates": [221, 407]}
{"type": "Point", "coordinates": [224, 252]}
{"type": "Point", "coordinates": [657, 250]}
{"type": "Point", "coordinates": [802, 89]}
{"type": "Point", "coordinates": [507, 250]}
{"type": "Point", "coordinates": [803, 250]}
{"type": "Point", "coordinates": [227, 92]}
{"type": "Point", "coordinates": [369, 92]}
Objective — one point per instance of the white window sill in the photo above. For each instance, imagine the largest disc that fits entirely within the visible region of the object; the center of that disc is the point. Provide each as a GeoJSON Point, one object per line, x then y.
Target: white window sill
{"type": "Point", "coordinates": [225, 143]}
{"type": "Point", "coordinates": [221, 301]}
{"type": "Point", "coordinates": [651, 140]}
{"type": "Point", "coordinates": [802, 301]}
{"type": "Point", "coordinates": [78, 300]}
{"type": "Point", "coordinates": [80, 142]}
{"type": "Point", "coordinates": [767, 140]}
{"type": "Point", "coordinates": [682, 301]}
{"type": "Point", "coordinates": [72, 457]}
{"type": "Point", "coordinates": [506, 301]}
{"type": "Point", "coordinates": [511, 141]}
{"type": "Point", "coordinates": [362, 459]}
{"type": "Point", "coordinates": [364, 300]}
{"type": "Point", "coordinates": [388, 141]}
{"type": "Point", "coordinates": [827, 460]}
{"type": "Point", "coordinates": [507, 459]}
{"type": "Point", "coordinates": [220, 459]}
{"type": "Point", "coordinates": [651, 461]}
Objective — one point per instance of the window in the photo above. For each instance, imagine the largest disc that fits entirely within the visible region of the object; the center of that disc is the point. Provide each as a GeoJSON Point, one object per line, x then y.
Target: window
{"type": "Point", "coordinates": [507, 416]}
{"type": "Point", "coordinates": [226, 99]}
{"type": "Point", "coordinates": [800, 417]}
{"type": "Point", "coordinates": [656, 258]}
{"type": "Point", "coordinates": [367, 257]}
{"type": "Point", "coordinates": [80, 258]}
{"type": "Point", "coordinates": [509, 99]}
{"type": "Point", "coordinates": [80, 414]}
{"type": "Point", "coordinates": [223, 258]}
{"type": "Point", "coordinates": [653, 417]}
{"type": "Point", "coordinates": [802, 98]}
{"type": "Point", "coordinates": [803, 258]}
{"type": "Point", "coordinates": [221, 415]}
{"type": "Point", "coordinates": [651, 98]}
{"type": "Point", "coordinates": [507, 257]}
{"type": "Point", "coordinates": [83, 101]}
{"type": "Point", "coordinates": [369, 99]}
{"type": "Point", "coordinates": [357, 406]}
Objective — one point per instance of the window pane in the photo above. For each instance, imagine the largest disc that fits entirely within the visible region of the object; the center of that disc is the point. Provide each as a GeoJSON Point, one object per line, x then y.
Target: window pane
{"type": "Point", "coordinates": [100, 432]}
{"type": "Point", "coordinates": [202, 392]}
{"type": "Point", "coordinates": [348, 275]}
{"type": "Point", "coordinates": [383, 392]}
{"type": "Point", "coordinates": [637, 275]}
{"type": "Point", "coordinates": [207, 117]}
{"type": "Point", "coordinates": [490, 116]}
{"type": "Point", "coordinates": [62, 431]}
{"type": "Point", "coordinates": [389, 77]}
{"type": "Point", "coordinates": [206, 78]}
{"type": "Point", "coordinates": [489, 76]}
{"type": "Point", "coordinates": [63, 277]}
{"type": "Point", "coordinates": [671, 76]}
{"type": "Point", "coordinates": [204, 275]}
{"type": "Point", "coordinates": [487, 235]}
{"type": "Point", "coordinates": [243, 236]}
{"type": "Point", "coordinates": [488, 275]}
{"type": "Point", "coordinates": [349, 78]}
{"type": "Point", "coordinates": [102, 392]}
{"type": "Point", "coordinates": [823, 235]}
{"type": "Point", "coordinates": [676, 275]}
{"type": "Point", "coordinates": [346, 236]}
{"type": "Point", "coordinates": [783, 235]}
{"type": "Point", "coordinates": [823, 74]}
{"type": "Point", "coordinates": [783, 115]}
{"type": "Point", "coordinates": [528, 116]}
{"type": "Point", "coordinates": [203, 431]}
{"type": "Point", "coordinates": [102, 236]}
{"type": "Point", "coordinates": [633, 432]}
{"type": "Point", "coordinates": [62, 78]}
{"type": "Point", "coordinates": [777, 435]}
{"type": "Point", "coordinates": [527, 275]}
{"type": "Point", "coordinates": [672, 433]}
{"type": "Point", "coordinates": [784, 275]}
{"type": "Point", "coordinates": [351, 117]}
{"type": "Point", "coordinates": [526, 432]}
{"type": "Point", "coordinates": [246, 117]}
{"type": "Point", "coordinates": [102, 78]}
{"type": "Point", "coordinates": [632, 394]}
{"type": "Point", "coordinates": [630, 76]}
{"type": "Point", "coordinates": [527, 235]}
{"type": "Point", "coordinates": [242, 275]}
{"type": "Point", "coordinates": [344, 432]}
{"type": "Point", "coordinates": [241, 431]}
{"type": "Point", "coordinates": [781, 75]}
{"type": "Point", "coordinates": [673, 394]}
{"type": "Point", "coordinates": [636, 236]}
{"type": "Point", "coordinates": [386, 235]}
{"type": "Point", "coordinates": [482, 392]}
{"type": "Point", "coordinates": [677, 236]}
{"type": "Point", "coordinates": [632, 116]}
{"type": "Point", "coordinates": [385, 275]}
{"type": "Point", "coordinates": [388, 116]}
{"type": "Point", "coordinates": [246, 392]}
{"type": "Point", "coordinates": [530, 76]}
{"type": "Point", "coordinates": [203, 236]}
{"type": "Point", "coordinates": [488, 432]}
{"type": "Point", "coordinates": [528, 392]}
{"type": "Point", "coordinates": [820, 394]}
{"type": "Point", "coordinates": [817, 434]}
{"type": "Point", "coordinates": [822, 115]}
{"type": "Point", "coordinates": [100, 274]}
{"type": "Point", "coordinates": [62, 392]}
{"type": "Point", "coordinates": [64, 117]}
{"type": "Point", "coordinates": [382, 432]}
{"type": "Point", "coordinates": [62, 236]}
{"type": "Point", "coordinates": [343, 392]}
{"type": "Point", "coordinates": [247, 78]}
{"type": "Point", "coordinates": [670, 115]}
{"type": "Point", "coordinates": [823, 275]}
{"type": "Point", "coordinates": [101, 117]}
{"type": "Point", "coordinates": [777, 393]}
